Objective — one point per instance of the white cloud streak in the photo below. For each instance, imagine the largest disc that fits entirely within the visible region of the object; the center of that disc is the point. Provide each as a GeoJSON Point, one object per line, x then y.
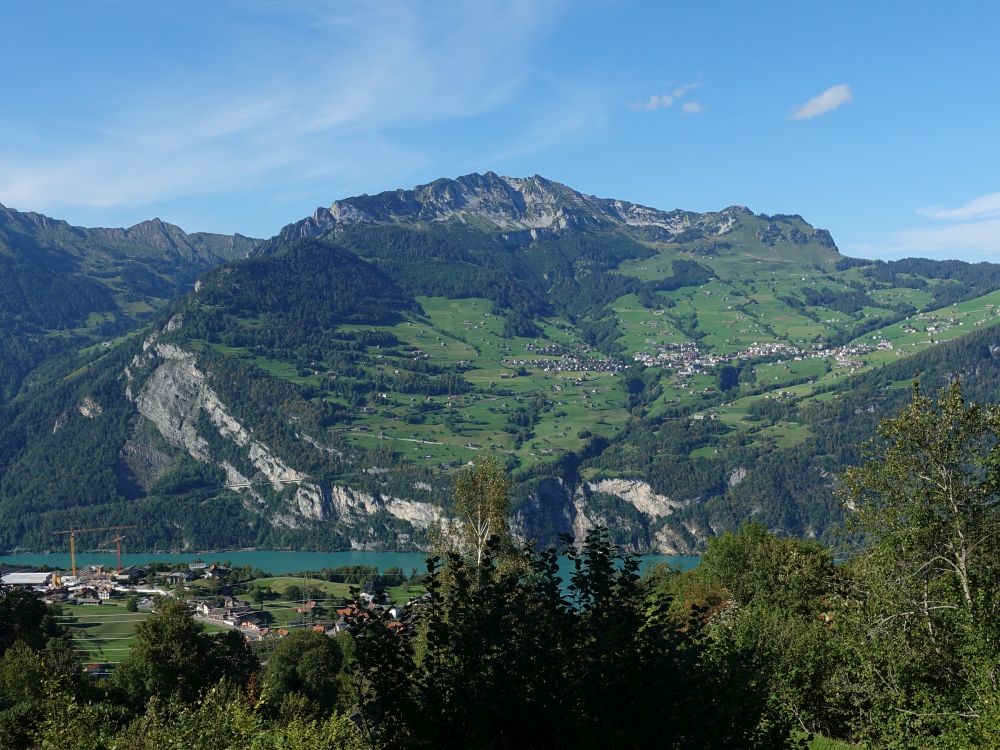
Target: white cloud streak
{"type": "Point", "coordinates": [971, 241]}
{"type": "Point", "coordinates": [655, 102]}
{"type": "Point", "coordinates": [968, 232]}
{"type": "Point", "coordinates": [664, 101]}
{"type": "Point", "coordinates": [363, 76]}
{"type": "Point", "coordinates": [831, 99]}
{"type": "Point", "coordinates": [983, 207]}
{"type": "Point", "coordinates": [692, 108]}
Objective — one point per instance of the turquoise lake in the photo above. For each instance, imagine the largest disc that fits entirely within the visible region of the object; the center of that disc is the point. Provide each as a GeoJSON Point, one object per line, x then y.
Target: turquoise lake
{"type": "Point", "coordinates": [277, 562]}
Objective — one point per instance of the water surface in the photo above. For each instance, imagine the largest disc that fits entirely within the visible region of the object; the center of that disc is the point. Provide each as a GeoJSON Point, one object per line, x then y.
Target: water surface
{"type": "Point", "coordinates": [278, 562]}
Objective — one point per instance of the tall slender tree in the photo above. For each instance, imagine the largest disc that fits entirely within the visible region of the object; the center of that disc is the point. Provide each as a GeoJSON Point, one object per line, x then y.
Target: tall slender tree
{"type": "Point", "coordinates": [481, 507]}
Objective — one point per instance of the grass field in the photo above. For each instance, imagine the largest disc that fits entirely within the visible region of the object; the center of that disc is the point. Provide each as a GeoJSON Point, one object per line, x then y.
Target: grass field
{"type": "Point", "coordinates": [105, 633]}
{"type": "Point", "coordinates": [467, 334]}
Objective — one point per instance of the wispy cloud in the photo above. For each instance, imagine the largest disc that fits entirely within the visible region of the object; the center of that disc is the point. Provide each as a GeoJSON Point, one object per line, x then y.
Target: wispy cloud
{"type": "Point", "coordinates": [983, 207]}
{"type": "Point", "coordinates": [972, 241]}
{"type": "Point", "coordinates": [663, 101]}
{"type": "Point", "coordinates": [692, 108]}
{"type": "Point", "coordinates": [656, 101]}
{"type": "Point", "coordinates": [360, 79]}
{"type": "Point", "coordinates": [831, 99]}
{"type": "Point", "coordinates": [968, 232]}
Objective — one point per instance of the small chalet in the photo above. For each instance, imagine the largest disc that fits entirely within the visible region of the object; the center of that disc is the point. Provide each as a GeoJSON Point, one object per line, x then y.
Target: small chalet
{"type": "Point", "coordinates": [309, 607]}
{"type": "Point", "coordinates": [216, 572]}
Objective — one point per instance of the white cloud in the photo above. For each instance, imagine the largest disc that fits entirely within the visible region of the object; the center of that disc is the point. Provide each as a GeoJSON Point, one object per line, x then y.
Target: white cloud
{"type": "Point", "coordinates": [692, 108]}
{"type": "Point", "coordinates": [970, 241]}
{"type": "Point", "coordinates": [968, 232]}
{"type": "Point", "coordinates": [663, 101]}
{"type": "Point", "coordinates": [831, 99]}
{"type": "Point", "coordinates": [353, 81]}
{"type": "Point", "coordinates": [682, 90]}
{"type": "Point", "coordinates": [983, 207]}
{"type": "Point", "coordinates": [656, 101]}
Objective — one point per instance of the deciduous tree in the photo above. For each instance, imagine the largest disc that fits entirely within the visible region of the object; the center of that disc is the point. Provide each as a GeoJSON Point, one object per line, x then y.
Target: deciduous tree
{"type": "Point", "coordinates": [481, 506]}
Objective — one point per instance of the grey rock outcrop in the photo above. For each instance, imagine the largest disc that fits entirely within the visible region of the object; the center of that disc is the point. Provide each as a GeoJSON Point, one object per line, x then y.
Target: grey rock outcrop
{"type": "Point", "coordinates": [526, 207]}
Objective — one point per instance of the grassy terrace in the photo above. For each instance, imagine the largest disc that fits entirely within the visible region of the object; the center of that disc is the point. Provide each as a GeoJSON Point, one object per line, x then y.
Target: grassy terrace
{"type": "Point", "coordinates": [104, 633]}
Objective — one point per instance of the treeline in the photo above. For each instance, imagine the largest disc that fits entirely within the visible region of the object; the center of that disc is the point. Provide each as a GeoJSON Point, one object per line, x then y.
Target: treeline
{"type": "Point", "coordinates": [964, 280]}
{"type": "Point", "coordinates": [499, 655]}
{"type": "Point", "coordinates": [571, 273]}
{"type": "Point", "coordinates": [848, 301]}
{"type": "Point", "coordinates": [764, 645]}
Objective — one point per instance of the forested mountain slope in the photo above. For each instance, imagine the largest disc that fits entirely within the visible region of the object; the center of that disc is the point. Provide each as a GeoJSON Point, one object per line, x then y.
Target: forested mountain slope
{"type": "Point", "coordinates": [62, 287]}
{"type": "Point", "coordinates": [667, 373]}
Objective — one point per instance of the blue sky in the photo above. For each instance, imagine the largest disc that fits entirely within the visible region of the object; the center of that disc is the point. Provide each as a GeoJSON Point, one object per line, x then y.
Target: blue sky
{"type": "Point", "coordinates": [874, 120]}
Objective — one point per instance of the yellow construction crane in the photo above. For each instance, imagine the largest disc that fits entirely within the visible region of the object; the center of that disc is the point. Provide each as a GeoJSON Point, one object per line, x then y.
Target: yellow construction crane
{"type": "Point", "coordinates": [72, 532]}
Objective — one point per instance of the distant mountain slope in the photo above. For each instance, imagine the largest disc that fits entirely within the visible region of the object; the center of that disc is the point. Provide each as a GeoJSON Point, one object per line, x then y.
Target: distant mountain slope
{"type": "Point", "coordinates": [148, 239]}
{"type": "Point", "coordinates": [63, 286]}
{"type": "Point", "coordinates": [667, 373]}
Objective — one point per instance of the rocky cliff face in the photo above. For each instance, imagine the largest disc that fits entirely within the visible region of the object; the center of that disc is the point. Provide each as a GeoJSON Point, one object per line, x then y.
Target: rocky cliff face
{"type": "Point", "coordinates": [554, 509]}
{"type": "Point", "coordinates": [168, 389]}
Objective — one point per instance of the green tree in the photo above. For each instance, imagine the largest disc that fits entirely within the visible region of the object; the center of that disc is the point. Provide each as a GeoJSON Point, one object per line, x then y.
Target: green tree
{"type": "Point", "coordinates": [501, 658]}
{"type": "Point", "coordinates": [173, 658]}
{"type": "Point", "coordinates": [481, 506]}
{"type": "Point", "coordinates": [24, 617]}
{"type": "Point", "coordinates": [925, 608]}
{"type": "Point", "coordinates": [774, 600]}
{"type": "Point", "coordinates": [225, 719]}
{"type": "Point", "coordinates": [22, 691]}
{"type": "Point", "coordinates": [304, 665]}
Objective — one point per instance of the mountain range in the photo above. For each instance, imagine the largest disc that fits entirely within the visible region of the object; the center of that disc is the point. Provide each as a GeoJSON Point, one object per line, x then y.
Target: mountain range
{"type": "Point", "coordinates": [667, 373]}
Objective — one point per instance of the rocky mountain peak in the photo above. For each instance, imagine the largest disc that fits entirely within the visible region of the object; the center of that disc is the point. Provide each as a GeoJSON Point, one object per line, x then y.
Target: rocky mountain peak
{"type": "Point", "coordinates": [535, 205]}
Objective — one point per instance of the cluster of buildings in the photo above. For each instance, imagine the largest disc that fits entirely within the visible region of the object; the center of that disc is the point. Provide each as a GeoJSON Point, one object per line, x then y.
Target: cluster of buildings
{"type": "Point", "coordinates": [685, 358]}
{"type": "Point", "coordinates": [257, 623]}
{"type": "Point", "coordinates": [568, 363]}
{"type": "Point", "coordinates": [94, 585]}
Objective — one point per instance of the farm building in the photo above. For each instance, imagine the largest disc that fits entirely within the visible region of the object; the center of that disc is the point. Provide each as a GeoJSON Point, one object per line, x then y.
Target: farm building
{"type": "Point", "coordinates": [27, 579]}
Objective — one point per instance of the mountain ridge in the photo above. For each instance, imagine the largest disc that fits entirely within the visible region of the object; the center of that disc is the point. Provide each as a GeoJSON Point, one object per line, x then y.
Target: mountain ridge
{"type": "Point", "coordinates": [512, 204]}
{"type": "Point", "coordinates": [134, 241]}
